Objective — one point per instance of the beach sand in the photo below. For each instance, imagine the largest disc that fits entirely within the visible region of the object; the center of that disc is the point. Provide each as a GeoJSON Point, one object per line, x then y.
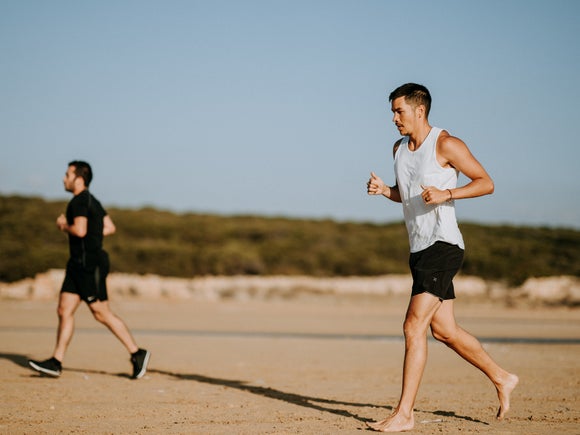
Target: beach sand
{"type": "Point", "coordinates": [308, 365]}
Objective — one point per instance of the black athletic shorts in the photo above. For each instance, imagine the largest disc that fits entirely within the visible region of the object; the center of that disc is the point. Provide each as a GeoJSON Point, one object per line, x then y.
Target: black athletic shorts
{"type": "Point", "coordinates": [433, 269]}
{"type": "Point", "coordinates": [90, 283]}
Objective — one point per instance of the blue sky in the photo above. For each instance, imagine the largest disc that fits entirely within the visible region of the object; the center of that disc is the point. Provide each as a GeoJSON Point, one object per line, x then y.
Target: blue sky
{"type": "Point", "coordinates": [281, 107]}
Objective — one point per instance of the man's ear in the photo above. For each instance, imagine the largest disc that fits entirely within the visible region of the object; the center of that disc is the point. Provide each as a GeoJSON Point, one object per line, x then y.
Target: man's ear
{"type": "Point", "coordinates": [80, 182]}
{"type": "Point", "coordinates": [420, 111]}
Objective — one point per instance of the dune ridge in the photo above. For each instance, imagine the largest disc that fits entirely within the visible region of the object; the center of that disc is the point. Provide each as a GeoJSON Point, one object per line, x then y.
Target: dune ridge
{"type": "Point", "coordinates": [557, 290]}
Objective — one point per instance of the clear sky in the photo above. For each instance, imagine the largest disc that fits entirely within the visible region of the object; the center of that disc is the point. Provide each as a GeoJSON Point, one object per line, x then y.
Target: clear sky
{"type": "Point", "coordinates": [281, 107]}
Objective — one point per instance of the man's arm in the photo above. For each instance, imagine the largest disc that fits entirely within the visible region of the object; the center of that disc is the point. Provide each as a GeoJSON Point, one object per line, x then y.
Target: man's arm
{"type": "Point", "coordinates": [78, 228]}
{"type": "Point", "coordinates": [108, 226]}
{"type": "Point", "coordinates": [376, 186]}
{"type": "Point", "coordinates": [453, 152]}
{"type": "Point", "coordinates": [458, 155]}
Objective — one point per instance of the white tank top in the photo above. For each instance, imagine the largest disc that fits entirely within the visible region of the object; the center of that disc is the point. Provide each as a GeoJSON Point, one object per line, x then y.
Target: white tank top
{"type": "Point", "coordinates": [426, 224]}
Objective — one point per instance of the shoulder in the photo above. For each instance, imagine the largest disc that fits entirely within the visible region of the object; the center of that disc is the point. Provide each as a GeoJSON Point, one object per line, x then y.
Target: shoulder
{"type": "Point", "coordinates": [99, 207]}
{"type": "Point", "coordinates": [447, 144]}
{"type": "Point", "coordinates": [80, 199]}
{"type": "Point", "coordinates": [79, 205]}
{"type": "Point", "coordinates": [397, 145]}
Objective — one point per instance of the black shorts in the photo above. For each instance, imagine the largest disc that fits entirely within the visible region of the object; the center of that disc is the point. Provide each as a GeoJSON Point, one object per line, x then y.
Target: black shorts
{"type": "Point", "coordinates": [90, 283]}
{"type": "Point", "coordinates": [433, 269]}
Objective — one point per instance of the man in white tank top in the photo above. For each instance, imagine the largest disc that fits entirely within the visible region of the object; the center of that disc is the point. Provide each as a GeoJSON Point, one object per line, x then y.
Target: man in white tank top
{"type": "Point", "coordinates": [428, 161]}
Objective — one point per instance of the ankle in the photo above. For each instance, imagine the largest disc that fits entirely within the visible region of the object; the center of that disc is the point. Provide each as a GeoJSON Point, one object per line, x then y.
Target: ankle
{"type": "Point", "coordinates": [403, 412]}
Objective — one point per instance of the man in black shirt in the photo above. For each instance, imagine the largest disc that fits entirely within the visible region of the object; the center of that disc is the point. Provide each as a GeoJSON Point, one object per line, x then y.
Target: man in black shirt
{"type": "Point", "coordinates": [86, 223]}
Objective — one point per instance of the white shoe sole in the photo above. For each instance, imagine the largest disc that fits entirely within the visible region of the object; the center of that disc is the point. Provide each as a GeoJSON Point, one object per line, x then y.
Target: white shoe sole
{"type": "Point", "coordinates": [144, 367]}
{"type": "Point", "coordinates": [40, 369]}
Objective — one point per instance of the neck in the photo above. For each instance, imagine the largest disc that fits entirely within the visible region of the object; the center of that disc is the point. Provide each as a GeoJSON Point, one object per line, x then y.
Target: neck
{"type": "Point", "coordinates": [79, 190]}
{"type": "Point", "coordinates": [418, 136]}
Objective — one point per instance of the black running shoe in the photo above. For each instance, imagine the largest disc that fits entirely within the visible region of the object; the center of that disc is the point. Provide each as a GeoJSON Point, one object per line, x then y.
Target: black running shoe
{"type": "Point", "coordinates": [51, 367]}
{"type": "Point", "coordinates": [140, 359]}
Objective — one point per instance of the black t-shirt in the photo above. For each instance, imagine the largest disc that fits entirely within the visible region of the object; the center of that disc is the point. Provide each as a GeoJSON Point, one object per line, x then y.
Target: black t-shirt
{"type": "Point", "coordinates": [86, 249]}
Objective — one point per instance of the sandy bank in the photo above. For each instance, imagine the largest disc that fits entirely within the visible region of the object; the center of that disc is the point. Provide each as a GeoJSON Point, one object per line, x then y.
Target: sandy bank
{"type": "Point", "coordinates": [562, 290]}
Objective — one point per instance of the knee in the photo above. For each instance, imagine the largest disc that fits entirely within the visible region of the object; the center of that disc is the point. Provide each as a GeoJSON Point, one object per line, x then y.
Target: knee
{"type": "Point", "coordinates": [63, 312]}
{"type": "Point", "coordinates": [413, 328]}
{"type": "Point", "coordinates": [99, 316]}
{"type": "Point", "coordinates": [103, 315]}
{"type": "Point", "coordinates": [444, 335]}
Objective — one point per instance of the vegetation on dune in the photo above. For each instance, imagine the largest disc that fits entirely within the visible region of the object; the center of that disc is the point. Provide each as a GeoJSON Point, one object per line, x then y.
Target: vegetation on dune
{"type": "Point", "coordinates": [186, 245]}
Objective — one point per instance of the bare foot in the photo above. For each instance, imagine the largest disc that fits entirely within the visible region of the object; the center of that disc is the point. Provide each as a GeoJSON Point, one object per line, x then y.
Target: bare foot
{"type": "Point", "coordinates": [395, 423]}
{"type": "Point", "coordinates": [503, 393]}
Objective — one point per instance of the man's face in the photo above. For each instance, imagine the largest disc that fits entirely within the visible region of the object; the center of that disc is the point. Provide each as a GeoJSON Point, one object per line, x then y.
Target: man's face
{"type": "Point", "coordinates": [404, 116]}
{"type": "Point", "coordinates": [69, 179]}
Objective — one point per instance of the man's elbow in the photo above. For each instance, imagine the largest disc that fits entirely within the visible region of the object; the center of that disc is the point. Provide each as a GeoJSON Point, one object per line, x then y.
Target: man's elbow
{"type": "Point", "coordinates": [490, 187]}
{"type": "Point", "coordinates": [108, 226]}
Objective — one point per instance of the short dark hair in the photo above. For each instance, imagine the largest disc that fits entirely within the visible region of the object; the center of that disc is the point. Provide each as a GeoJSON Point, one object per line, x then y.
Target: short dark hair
{"type": "Point", "coordinates": [83, 170]}
{"type": "Point", "coordinates": [414, 94]}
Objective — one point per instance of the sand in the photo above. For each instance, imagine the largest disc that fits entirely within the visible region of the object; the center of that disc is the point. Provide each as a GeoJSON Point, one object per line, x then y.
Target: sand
{"type": "Point", "coordinates": [306, 365]}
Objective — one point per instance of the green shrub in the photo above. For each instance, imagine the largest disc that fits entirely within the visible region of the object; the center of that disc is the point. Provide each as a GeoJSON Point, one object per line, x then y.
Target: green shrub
{"type": "Point", "coordinates": [186, 245]}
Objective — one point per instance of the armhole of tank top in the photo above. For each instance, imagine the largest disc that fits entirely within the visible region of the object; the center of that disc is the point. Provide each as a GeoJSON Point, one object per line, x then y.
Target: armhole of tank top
{"type": "Point", "coordinates": [403, 143]}
{"type": "Point", "coordinates": [435, 151]}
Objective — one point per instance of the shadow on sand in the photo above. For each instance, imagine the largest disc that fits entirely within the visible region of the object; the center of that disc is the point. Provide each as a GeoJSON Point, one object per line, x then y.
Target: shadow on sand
{"type": "Point", "coordinates": [325, 405]}
{"type": "Point", "coordinates": [22, 361]}
{"type": "Point", "coordinates": [271, 393]}
{"type": "Point", "coordinates": [319, 404]}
